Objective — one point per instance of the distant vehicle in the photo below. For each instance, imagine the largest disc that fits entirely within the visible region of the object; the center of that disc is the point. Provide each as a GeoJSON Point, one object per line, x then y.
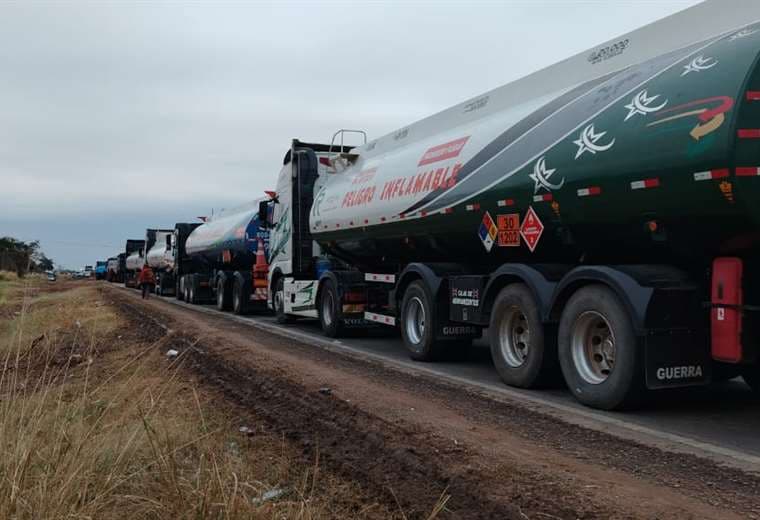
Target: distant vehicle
{"type": "Point", "coordinates": [133, 261]}
{"type": "Point", "coordinates": [101, 269]}
{"type": "Point", "coordinates": [88, 271]}
{"type": "Point", "coordinates": [224, 261]}
{"type": "Point", "coordinates": [51, 276]}
{"type": "Point", "coordinates": [114, 268]}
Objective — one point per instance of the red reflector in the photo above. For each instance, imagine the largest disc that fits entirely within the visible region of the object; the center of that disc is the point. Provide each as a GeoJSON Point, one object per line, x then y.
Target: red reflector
{"type": "Point", "coordinates": [749, 133]}
{"type": "Point", "coordinates": [753, 171]}
{"type": "Point", "coordinates": [324, 160]}
{"type": "Point", "coordinates": [725, 316]}
{"type": "Point", "coordinates": [354, 297]}
{"type": "Point", "coordinates": [753, 95]}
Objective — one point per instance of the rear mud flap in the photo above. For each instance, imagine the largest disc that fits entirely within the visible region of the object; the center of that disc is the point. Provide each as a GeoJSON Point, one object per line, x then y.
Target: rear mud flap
{"type": "Point", "coordinates": [676, 359]}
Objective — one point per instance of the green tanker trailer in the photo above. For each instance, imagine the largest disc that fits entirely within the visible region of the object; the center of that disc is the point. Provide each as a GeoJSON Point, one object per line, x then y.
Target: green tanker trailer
{"type": "Point", "coordinates": [600, 215]}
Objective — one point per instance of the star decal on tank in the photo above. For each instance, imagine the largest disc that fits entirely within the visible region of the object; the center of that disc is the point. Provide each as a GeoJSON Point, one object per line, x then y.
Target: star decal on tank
{"type": "Point", "coordinates": [588, 141]}
{"type": "Point", "coordinates": [699, 64]}
{"type": "Point", "coordinates": [643, 104]}
{"type": "Point", "coordinates": [541, 176]}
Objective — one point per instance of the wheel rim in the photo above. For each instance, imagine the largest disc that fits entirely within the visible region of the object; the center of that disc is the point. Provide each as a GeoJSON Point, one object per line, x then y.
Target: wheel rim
{"type": "Point", "coordinates": [514, 337]}
{"type": "Point", "coordinates": [219, 294]}
{"type": "Point", "coordinates": [593, 347]}
{"type": "Point", "coordinates": [236, 299]}
{"type": "Point", "coordinates": [327, 308]}
{"type": "Point", "coordinates": [415, 320]}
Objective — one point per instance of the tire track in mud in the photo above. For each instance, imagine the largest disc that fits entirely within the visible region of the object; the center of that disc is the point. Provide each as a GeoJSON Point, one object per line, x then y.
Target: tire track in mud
{"type": "Point", "coordinates": [403, 468]}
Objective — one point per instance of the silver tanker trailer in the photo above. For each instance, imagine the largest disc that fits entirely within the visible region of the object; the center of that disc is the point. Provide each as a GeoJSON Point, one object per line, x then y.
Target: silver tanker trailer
{"type": "Point", "coordinates": [133, 261]}
{"type": "Point", "coordinates": [159, 259]}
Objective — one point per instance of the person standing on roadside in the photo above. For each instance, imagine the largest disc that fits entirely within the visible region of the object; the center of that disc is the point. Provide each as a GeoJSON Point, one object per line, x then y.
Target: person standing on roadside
{"type": "Point", "coordinates": [147, 281]}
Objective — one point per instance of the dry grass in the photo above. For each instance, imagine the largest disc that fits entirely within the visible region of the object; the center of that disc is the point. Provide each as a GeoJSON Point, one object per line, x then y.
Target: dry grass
{"type": "Point", "coordinates": [97, 424]}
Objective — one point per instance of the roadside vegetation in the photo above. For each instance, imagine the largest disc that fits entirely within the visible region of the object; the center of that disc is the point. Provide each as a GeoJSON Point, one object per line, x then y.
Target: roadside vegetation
{"type": "Point", "coordinates": [96, 421]}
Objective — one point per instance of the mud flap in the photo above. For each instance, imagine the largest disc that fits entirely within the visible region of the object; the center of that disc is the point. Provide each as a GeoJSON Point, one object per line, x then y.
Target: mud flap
{"type": "Point", "coordinates": [677, 358]}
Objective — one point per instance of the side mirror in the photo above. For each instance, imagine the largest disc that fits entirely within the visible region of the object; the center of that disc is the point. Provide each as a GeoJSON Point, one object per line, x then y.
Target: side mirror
{"type": "Point", "coordinates": [263, 214]}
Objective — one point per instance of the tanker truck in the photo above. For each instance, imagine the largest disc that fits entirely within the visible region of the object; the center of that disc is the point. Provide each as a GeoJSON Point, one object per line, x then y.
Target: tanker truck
{"type": "Point", "coordinates": [133, 261]}
{"type": "Point", "coordinates": [157, 257]}
{"type": "Point", "coordinates": [179, 262]}
{"type": "Point", "coordinates": [224, 261]}
{"type": "Point", "coordinates": [114, 269]}
{"type": "Point", "coordinates": [598, 218]}
{"type": "Point", "coordinates": [101, 269]}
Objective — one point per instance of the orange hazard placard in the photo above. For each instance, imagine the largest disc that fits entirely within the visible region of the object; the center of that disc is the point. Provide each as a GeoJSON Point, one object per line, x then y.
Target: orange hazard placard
{"type": "Point", "coordinates": [509, 230]}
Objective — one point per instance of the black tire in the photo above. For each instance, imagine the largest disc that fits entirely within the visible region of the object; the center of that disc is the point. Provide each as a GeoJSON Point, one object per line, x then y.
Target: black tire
{"type": "Point", "coordinates": [329, 311]}
{"type": "Point", "coordinates": [519, 346]}
{"type": "Point", "coordinates": [191, 291]}
{"type": "Point", "coordinates": [240, 297]}
{"type": "Point", "coordinates": [178, 288]}
{"type": "Point", "coordinates": [223, 295]}
{"type": "Point", "coordinates": [417, 323]}
{"type": "Point", "coordinates": [279, 302]}
{"type": "Point", "coordinates": [751, 376]}
{"type": "Point", "coordinates": [600, 312]}
{"type": "Point", "coordinates": [158, 290]}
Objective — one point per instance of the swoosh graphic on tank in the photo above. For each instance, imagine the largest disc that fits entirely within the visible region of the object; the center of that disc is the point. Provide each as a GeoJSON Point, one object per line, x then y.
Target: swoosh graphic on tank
{"type": "Point", "coordinates": [499, 165]}
{"type": "Point", "coordinates": [513, 134]}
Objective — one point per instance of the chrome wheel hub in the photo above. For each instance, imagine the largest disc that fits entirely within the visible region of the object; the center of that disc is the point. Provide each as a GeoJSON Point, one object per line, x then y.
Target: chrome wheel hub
{"type": "Point", "coordinates": [593, 347]}
{"type": "Point", "coordinates": [415, 320]}
{"type": "Point", "coordinates": [514, 337]}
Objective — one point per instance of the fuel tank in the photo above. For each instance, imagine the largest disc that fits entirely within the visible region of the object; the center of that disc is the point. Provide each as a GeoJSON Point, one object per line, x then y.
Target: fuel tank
{"type": "Point", "coordinates": [135, 261]}
{"type": "Point", "coordinates": [642, 149]}
{"type": "Point", "coordinates": [157, 255]}
{"type": "Point", "coordinates": [231, 238]}
{"type": "Point", "coordinates": [133, 254]}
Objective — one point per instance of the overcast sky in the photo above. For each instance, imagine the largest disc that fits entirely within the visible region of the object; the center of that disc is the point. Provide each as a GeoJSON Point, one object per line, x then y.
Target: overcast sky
{"type": "Point", "coordinates": [117, 116]}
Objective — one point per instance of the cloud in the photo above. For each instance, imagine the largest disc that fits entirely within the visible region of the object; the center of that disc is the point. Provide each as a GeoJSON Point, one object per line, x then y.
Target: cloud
{"type": "Point", "coordinates": [109, 108]}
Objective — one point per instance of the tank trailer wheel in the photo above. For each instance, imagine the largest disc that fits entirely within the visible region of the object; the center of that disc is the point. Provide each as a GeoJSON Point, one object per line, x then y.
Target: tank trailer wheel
{"type": "Point", "coordinates": [598, 350]}
{"type": "Point", "coordinates": [518, 345]}
{"type": "Point", "coordinates": [417, 324]}
{"type": "Point", "coordinates": [191, 290]}
{"type": "Point", "coordinates": [178, 288]}
{"type": "Point", "coordinates": [223, 296]}
{"type": "Point", "coordinates": [328, 308]}
{"type": "Point", "coordinates": [240, 297]}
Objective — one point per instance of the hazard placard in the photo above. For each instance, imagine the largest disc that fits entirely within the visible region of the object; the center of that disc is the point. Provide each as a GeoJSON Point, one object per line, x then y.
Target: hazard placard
{"type": "Point", "coordinates": [531, 229]}
{"type": "Point", "coordinates": [487, 231]}
{"type": "Point", "coordinates": [509, 230]}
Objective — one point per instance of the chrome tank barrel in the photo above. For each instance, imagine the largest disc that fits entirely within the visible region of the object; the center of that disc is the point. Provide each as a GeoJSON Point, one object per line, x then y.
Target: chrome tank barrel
{"type": "Point", "coordinates": [134, 262]}
{"type": "Point", "coordinates": [157, 256]}
{"type": "Point", "coordinates": [237, 233]}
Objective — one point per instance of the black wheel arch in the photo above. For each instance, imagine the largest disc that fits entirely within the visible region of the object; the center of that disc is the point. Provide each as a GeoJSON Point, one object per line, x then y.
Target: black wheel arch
{"type": "Point", "coordinates": [541, 280]}
{"type": "Point", "coordinates": [637, 286]}
{"type": "Point", "coordinates": [431, 274]}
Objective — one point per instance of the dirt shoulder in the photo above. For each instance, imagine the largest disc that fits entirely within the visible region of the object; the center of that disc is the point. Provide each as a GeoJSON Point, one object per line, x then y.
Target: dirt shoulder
{"type": "Point", "coordinates": [97, 421]}
{"type": "Point", "coordinates": [413, 439]}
